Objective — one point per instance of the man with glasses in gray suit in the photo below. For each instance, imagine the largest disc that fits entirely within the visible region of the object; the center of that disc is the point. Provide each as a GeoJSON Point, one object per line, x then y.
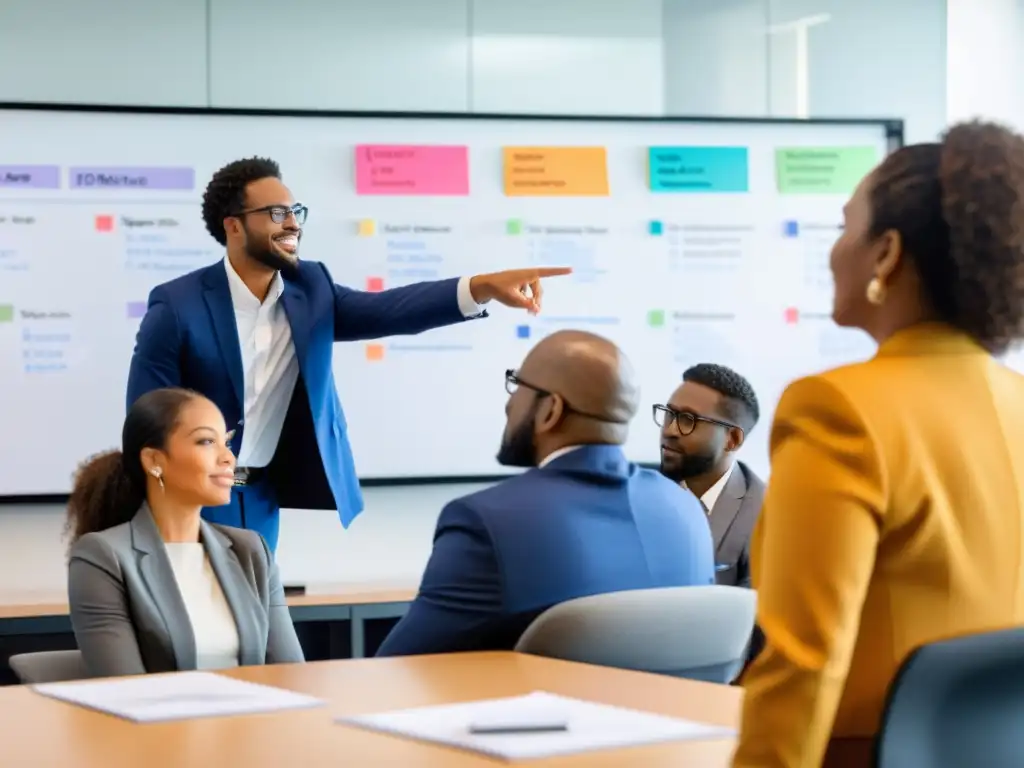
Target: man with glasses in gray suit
{"type": "Point", "coordinates": [703, 424]}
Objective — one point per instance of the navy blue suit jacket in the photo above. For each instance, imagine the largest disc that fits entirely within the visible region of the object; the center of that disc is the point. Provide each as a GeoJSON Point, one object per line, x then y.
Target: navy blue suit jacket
{"type": "Point", "coordinates": [587, 523]}
{"type": "Point", "coordinates": [189, 338]}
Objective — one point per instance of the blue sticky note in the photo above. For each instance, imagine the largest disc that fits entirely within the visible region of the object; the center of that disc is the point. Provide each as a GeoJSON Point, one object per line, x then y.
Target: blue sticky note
{"type": "Point", "coordinates": [791, 229]}
{"type": "Point", "coordinates": [523, 331]}
{"type": "Point", "coordinates": [698, 170]}
{"type": "Point", "coordinates": [655, 228]}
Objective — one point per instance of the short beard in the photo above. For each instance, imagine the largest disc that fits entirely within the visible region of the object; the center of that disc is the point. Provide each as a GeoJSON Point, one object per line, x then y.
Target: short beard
{"type": "Point", "coordinates": [269, 258]}
{"type": "Point", "coordinates": [687, 466]}
{"type": "Point", "coordinates": [518, 448]}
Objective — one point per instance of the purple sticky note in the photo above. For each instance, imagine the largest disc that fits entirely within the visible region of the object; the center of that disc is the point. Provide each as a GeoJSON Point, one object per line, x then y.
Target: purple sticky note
{"type": "Point", "coordinates": [132, 178]}
{"type": "Point", "coordinates": [136, 309]}
{"type": "Point", "coordinates": [30, 176]}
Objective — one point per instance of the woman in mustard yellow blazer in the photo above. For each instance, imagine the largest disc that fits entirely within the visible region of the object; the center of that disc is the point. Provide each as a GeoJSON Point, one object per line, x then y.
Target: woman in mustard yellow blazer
{"type": "Point", "coordinates": [893, 515]}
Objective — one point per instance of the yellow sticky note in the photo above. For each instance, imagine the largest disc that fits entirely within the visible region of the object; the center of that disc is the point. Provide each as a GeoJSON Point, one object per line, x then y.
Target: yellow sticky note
{"type": "Point", "coordinates": [374, 352]}
{"type": "Point", "coordinates": [556, 171]}
{"type": "Point", "coordinates": [367, 228]}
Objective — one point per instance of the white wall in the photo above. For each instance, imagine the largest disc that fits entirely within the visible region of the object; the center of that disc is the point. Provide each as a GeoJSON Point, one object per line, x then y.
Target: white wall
{"type": "Point", "coordinates": [530, 56]}
{"type": "Point", "coordinates": [865, 58]}
{"type": "Point", "coordinates": [575, 56]}
{"type": "Point", "coordinates": [985, 56]}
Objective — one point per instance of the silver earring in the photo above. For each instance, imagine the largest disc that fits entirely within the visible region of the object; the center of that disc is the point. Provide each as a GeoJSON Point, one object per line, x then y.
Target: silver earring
{"type": "Point", "coordinates": [158, 474]}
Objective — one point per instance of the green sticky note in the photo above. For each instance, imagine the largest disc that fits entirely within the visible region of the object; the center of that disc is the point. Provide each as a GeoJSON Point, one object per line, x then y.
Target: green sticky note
{"type": "Point", "coordinates": [6, 313]}
{"type": "Point", "coordinates": [514, 227]}
{"type": "Point", "coordinates": [656, 318]}
{"type": "Point", "coordinates": [822, 170]}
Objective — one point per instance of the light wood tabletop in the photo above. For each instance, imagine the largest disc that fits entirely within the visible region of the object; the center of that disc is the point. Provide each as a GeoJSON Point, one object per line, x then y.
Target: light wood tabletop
{"type": "Point", "coordinates": [41, 731]}
{"type": "Point", "coordinates": [28, 604]}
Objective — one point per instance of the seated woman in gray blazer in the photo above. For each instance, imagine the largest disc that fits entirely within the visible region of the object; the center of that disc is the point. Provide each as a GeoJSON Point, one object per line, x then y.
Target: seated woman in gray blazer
{"type": "Point", "coordinates": [153, 587]}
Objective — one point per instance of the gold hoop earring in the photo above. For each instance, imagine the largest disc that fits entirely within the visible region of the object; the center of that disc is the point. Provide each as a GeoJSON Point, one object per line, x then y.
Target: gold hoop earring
{"type": "Point", "coordinates": [876, 291]}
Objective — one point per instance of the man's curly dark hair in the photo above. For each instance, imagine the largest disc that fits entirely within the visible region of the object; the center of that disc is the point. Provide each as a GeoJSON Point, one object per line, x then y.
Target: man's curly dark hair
{"type": "Point", "coordinates": [739, 402]}
{"type": "Point", "coordinates": [959, 208]}
{"type": "Point", "coordinates": [225, 194]}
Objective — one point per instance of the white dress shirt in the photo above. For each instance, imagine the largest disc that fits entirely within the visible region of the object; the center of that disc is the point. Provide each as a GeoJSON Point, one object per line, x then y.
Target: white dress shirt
{"type": "Point", "coordinates": [270, 367]}
{"type": "Point", "coordinates": [213, 624]}
{"type": "Point", "coordinates": [711, 495]}
{"type": "Point", "coordinates": [557, 453]}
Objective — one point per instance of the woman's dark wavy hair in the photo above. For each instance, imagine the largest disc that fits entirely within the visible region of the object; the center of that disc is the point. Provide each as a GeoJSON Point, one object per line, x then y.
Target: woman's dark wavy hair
{"type": "Point", "coordinates": [959, 208]}
{"type": "Point", "coordinates": [110, 487]}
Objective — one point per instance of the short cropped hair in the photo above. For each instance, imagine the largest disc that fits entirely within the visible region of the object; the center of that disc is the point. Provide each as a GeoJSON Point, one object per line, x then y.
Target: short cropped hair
{"type": "Point", "coordinates": [225, 194]}
{"type": "Point", "coordinates": [739, 403]}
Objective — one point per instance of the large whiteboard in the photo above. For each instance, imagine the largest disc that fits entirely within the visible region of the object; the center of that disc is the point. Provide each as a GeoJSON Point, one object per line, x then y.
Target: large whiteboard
{"type": "Point", "coordinates": [712, 246]}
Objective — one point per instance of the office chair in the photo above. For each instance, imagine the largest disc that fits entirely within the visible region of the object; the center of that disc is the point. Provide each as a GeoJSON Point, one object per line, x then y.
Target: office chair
{"type": "Point", "coordinates": [957, 703]}
{"type": "Point", "coordinates": [699, 633]}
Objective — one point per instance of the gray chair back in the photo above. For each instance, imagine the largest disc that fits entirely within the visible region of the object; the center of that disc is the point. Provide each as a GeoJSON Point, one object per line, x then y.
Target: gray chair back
{"type": "Point", "coordinates": [957, 702]}
{"type": "Point", "coordinates": [48, 667]}
{"type": "Point", "coordinates": [699, 633]}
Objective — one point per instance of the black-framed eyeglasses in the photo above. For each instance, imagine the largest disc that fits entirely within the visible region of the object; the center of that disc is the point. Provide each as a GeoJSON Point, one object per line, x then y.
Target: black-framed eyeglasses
{"type": "Point", "coordinates": [685, 421]}
{"type": "Point", "coordinates": [279, 213]}
{"type": "Point", "coordinates": [513, 382]}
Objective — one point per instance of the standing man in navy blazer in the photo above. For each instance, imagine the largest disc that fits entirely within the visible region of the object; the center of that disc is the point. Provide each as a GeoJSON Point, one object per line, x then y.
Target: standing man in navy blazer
{"type": "Point", "coordinates": [255, 335]}
{"type": "Point", "coordinates": [582, 521]}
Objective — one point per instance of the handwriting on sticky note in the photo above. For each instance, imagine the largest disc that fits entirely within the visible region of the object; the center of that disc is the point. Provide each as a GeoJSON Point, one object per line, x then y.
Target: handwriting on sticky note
{"type": "Point", "coordinates": [697, 169]}
{"type": "Point", "coordinates": [556, 171]}
{"type": "Point", "coordinates": [822, 170]}
{"type": "Point", "coordinates": [408, 169]}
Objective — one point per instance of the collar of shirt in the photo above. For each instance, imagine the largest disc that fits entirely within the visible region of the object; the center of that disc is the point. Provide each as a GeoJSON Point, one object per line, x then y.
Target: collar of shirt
{"type": "Point", "coordinates": [243, 298]}
{"type": "Point", "coordinates": [710, 497]}
{"type": "Point", "coordinates": [557, 454]}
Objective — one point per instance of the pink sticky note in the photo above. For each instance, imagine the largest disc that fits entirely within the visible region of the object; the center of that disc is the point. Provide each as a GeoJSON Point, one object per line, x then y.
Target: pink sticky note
{"type": "Point", "coordinates": [792, 315]}
{"type": "Point", "coordinates": [375, 284]}
{"type": "Point", "coordinates": [409, 169]}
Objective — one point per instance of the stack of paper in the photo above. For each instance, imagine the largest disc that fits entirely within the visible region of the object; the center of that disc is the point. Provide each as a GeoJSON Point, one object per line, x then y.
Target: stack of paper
{"type": "Point", "coordinates": [179, 696]}
{"type": "Point", "coordinates": [589, 726]}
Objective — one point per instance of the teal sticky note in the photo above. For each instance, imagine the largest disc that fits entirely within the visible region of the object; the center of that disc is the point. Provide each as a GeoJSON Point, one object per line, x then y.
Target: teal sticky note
{"type": "Point", "coordinates": [655, 228]}
{"type": "Point", "coordinates": [698, 170]}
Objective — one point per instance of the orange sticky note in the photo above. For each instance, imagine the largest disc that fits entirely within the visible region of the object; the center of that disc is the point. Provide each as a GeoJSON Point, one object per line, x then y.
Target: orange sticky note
{"type": "Point", "coordinates": [556, 171]}
{"type": "Point", "coordinates": [374, 352]}
{"type": "Point", "coordinates": [367, 228]}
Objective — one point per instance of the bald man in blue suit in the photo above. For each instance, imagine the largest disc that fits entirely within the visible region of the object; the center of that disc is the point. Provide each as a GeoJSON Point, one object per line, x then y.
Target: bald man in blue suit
{"type": "Point", "coordinates": [581, 521]}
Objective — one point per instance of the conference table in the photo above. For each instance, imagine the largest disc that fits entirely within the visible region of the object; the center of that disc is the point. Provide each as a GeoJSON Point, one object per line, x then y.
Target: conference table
{"type": "Point", "coordinates": [49, 732]}
{"type": "Point", "coordinates": [38, 620]}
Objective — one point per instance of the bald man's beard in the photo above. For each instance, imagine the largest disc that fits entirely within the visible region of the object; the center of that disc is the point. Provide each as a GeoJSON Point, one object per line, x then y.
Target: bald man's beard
{"type": "Point", "coordinates": [517, 448]}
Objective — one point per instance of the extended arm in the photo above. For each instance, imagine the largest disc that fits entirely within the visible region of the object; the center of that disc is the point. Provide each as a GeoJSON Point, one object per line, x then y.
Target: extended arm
{"type": "Point", "coordinates": [156, 361]}
{"type": "Point", "coordinates": [99, 612]}
{"type": "Point", "coordinates": [282, 642]}
{"type": "Point", "coordinates": [813, 555]}
{"type": "Point", "coordinates": [460, 592]}
{"type": "Point", "coordinates": [403, 311]}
